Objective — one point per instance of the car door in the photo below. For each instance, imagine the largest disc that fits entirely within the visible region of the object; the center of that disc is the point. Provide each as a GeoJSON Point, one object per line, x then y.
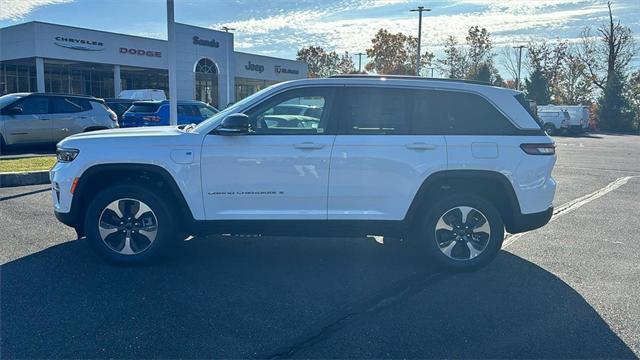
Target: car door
{"type": "Point", "coordinates": [280, 170]}
{"type": "Point", "coordinates": [387, 145]}
{"type": "Point", "coordinates": [32, 125]}
{"type": "Point", "coordinates": [69, 116]}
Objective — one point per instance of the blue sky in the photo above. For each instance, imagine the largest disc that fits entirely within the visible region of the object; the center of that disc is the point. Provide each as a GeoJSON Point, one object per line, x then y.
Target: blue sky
{"type": "Point", "coordinates": [280, 27]}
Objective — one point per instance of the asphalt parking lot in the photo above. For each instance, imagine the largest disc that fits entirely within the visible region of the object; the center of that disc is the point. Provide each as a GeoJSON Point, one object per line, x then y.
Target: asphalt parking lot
{"type": "Point", "coordinates": [568, 290]}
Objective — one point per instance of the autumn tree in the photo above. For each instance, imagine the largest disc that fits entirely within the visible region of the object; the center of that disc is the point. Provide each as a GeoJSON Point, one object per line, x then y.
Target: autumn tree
{"type": "Point", "coordinates": [473, 60]}
{"type": "Point", "coordinates": [479, 49]}
{"type": "Point", "coordinates": [454, 64]}
{"type": "Point", "coordinates": [395, 54]}
{"type": "Point", "coordinates": [346, 64]}
{"type": "Point", "coordinates": [573, 86]}
{"type": "Point", "coordinates": [633, 94]}
{"type": "Point", "coordinates": [320, 62]}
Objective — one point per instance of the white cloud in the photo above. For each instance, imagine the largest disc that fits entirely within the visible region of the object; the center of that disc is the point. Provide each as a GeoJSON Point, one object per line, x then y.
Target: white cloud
{"type": "Point", "coordinates": [18, 9]}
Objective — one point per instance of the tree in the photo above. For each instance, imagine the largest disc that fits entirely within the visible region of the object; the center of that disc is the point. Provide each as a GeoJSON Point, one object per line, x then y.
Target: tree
{"type": "Point", "coordinates": [609, 53]}
{"type": "Point", "coordinates": [483, 72]}
{"type": "Point", "coordinates": [633, 94]}
{"type": "Point", "coordinates": [455, 63]}
{"type": "Point", "coordinates": [537, 86]}
{"type": "Point", "coordinates": [573, 85]}
{"type": "Point", "coordinates": [614, 110]}
{"type": "Point", "coordinates": [395, 54]}
{"type": "Point", "coordinates": [480, 49]}
{"type": "Point", "coordinates": [509, 60]}
{"type": "Point", "coordinates": [547, 57]}
{"type": "Point", "coordinates": [320, 62]}
{"type": "Point", "coordinates": [345, 64]}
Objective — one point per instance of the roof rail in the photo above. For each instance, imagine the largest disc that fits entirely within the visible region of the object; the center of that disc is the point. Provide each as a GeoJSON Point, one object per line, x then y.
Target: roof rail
{"type": "Point", "coordinates": [66, 94]}
{"type": "Point", "coordinates": [409, 77]}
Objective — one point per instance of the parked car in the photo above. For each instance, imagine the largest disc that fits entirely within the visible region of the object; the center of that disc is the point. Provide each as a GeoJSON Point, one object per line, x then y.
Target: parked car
{"type": "Point", "coordinates": [554, 122]}
{"type": "Point", "coordinates": [156, 113]}
{"type": "Point", "coordinates": [143, 94]}
{"type": "Point", "coordinates": [446, 165]}
{"type": "Point", "coordinates": [578, 116]}
{"type": "Point", "coordinates": [119, 106]}
{"type": "Point", "coordinates": [45, 118]}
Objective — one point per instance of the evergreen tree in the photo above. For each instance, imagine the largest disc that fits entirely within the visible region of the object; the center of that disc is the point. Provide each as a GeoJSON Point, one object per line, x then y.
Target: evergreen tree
{"type": "Point", "coordinates": [614, 110]}
{"type": "Point", "coordinates": [537, 86]}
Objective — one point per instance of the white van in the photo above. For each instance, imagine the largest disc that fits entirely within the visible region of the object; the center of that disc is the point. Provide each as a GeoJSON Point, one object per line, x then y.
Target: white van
{"type": "Point", "coordinates": [143, 94]}
{"type": "Point", "coordinates": [554, 122]}
{"type": "Point", "coordinates": [578, 115]}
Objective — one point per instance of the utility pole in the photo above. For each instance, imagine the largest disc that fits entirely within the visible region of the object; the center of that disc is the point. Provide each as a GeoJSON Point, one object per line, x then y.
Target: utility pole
{"type": "Point", "coordinates": [173, 80]}
{"type": "Point", "coordinates": [227, 29]}
{"type": "Point", "coordinates": [420, 10]}
{"type": "Point", "coordinates": [359, 55]}
{"type": "Point", "coordinates": [519, 48]}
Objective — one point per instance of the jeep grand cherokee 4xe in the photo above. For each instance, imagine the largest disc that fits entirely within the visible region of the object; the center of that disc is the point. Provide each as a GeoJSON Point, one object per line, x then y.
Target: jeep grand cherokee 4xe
{"type": "Point", "coordinates": [446, 165]}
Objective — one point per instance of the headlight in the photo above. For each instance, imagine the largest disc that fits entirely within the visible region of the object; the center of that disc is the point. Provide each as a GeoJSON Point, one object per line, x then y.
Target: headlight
{"type": "Point", "coordinates": [66, 155]}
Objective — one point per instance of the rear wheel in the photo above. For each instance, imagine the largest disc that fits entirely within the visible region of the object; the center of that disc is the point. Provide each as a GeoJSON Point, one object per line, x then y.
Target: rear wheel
{"type": "Point", "coordinates": [460, 232]}
{"type": "Point", "coordinates": [129, 224]}
{"type": "Point", "coordinates": [550, 129]}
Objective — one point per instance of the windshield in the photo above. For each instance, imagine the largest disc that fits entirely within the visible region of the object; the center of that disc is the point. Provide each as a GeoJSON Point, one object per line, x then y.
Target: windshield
{"type": "Point", "coordinates": [8, 99]}
{"type": "Point", "coordinates": [230, 110]}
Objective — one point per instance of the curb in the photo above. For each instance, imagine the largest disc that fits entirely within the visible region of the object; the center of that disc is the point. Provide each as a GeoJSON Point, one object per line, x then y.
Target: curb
{"type": "Point", "coordinates": [12, 179]}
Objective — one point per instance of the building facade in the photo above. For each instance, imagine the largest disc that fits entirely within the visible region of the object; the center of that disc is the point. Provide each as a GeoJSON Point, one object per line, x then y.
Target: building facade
{"type": "Point", "coordinates": [43, 57]}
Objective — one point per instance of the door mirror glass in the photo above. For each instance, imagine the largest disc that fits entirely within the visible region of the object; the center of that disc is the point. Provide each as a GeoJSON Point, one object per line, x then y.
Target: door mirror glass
{"type": "Point", "coordinates": [16, 110]}
{"type": "Point", "coordinates": [234, 124]}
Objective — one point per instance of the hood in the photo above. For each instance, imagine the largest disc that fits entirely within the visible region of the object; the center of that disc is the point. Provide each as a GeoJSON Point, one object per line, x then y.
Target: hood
{"type": "Point", "coordinates": [123, 135]}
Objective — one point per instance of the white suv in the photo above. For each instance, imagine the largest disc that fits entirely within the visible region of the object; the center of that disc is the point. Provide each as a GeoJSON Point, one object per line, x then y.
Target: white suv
{"type": "Point", "coordinates": [445, 165]}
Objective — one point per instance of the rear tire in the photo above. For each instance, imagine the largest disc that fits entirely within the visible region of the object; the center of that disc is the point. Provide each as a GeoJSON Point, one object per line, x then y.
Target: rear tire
{"type": "Point", "coordinates": [129, 224]}
{"type": "Point", "coordinates": [460, 232]}
{"type": "Point", "coordinates": [550, 129]}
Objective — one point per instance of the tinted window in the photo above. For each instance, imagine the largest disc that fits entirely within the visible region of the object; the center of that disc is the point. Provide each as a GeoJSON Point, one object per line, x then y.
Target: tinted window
{"type": "Point", "coordinates": [119, 108]}
{"type": "Point", "coordinates": [470, 114]}
{"type": "Point", "coordinates": [144, 108]}
{"type": "Point", "coordinates": [187, 110]}
{"type": "Point", "coordinates": [34, 105]}
{"type": "Point", "coordinates": [62, 105]}
{"type": "Point", "coordinates": [266, 118]}
{"type": "Point", "coordinates": [206, 111]}
{"type": "Point", "coordinates": [375, 111]}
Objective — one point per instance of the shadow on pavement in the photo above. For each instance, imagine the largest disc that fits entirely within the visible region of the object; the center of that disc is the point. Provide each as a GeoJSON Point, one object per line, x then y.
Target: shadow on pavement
{"type": "Point", "coordinates": [252, 297]}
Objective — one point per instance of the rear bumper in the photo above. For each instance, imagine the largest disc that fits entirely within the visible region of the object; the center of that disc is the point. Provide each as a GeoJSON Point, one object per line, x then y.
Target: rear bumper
{"type": "Point", "coordinates": [527, 222]}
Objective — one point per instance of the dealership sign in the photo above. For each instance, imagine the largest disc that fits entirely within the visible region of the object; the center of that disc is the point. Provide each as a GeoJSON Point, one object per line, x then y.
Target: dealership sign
{"type": "Point", "coordinates": [254, 67]}
{"type": "Point", "coordinates": [140, 52]}
{"type": "Point", "coordinates": [78, 44]}
{"type": "Point", "coordinates": [202, 42]}
{"type": "Point", "coordinates": [280, 70]}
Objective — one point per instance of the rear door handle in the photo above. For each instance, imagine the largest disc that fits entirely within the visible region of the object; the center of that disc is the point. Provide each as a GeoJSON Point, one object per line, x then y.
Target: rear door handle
{"type": "Point", "coordinates": [420, 146]}
{"type": "Point", "coordinates": [308, 146]}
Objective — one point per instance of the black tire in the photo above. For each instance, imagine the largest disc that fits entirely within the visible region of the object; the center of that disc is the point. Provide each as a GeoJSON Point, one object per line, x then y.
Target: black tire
{"type": "Point", "coordinates": [3, 147]}
{"type": "Point", "coordinates": [550, 129]}
{"type": "Point", "coordinates": [141, 249]}
{"type": "Point", "coordinates": [424, 235]}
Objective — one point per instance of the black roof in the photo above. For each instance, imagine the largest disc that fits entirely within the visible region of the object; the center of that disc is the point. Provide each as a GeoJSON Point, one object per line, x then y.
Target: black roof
{"type": "Point", "coordinates": [408, 77]}
{"type": "Point", "coordinates": [64, 94]}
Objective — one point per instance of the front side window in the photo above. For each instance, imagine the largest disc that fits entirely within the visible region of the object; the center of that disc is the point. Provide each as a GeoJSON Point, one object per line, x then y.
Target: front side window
{"type": "Point", "coordinates": [270, 117]}
{"type": "Point", "coordinates": [371, 111]}
{"type": "Point", "coordinates": [34, 105]}
{"type": "Point", "coordinates": [62, 105]}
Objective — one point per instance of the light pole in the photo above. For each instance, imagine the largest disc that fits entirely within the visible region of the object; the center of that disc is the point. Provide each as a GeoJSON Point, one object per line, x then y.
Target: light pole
{"type": "Point", "coordinates": [359, 55]}
{"type": "Point", "coordinates": [173, 84]}
{"type": "Point", "coordinates": [519, 48]}
{"type": "Point", "coordinates": [227, 29]}
{"type": "Point", "coordinates": [420, 10]}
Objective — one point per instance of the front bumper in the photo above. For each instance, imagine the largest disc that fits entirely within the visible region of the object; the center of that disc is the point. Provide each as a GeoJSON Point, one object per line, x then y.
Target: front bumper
{"type": "Point", "coordinates": [527, 222]}
{"type": "Point", "coordinates": [66, 218]}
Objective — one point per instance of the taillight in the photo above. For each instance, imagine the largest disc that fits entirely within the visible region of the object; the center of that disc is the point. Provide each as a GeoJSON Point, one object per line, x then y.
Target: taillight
{"type": "Point", "coordinates": [113, 116]}
{"type": "Point", "coordinates": [539, 149]}
{"type": "Point", "coordinates": [151, 118]}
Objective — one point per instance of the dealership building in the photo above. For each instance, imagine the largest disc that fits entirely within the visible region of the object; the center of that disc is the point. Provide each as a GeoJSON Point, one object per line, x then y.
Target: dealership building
{"type": "Point", "coordinates": [43, 57]}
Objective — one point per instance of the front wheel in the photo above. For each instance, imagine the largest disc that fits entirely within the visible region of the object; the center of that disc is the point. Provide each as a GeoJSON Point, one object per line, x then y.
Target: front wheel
{"type": "Point", "coordinates": [129, 224]}
{"type": "Point", "coordinates": [460, 232]}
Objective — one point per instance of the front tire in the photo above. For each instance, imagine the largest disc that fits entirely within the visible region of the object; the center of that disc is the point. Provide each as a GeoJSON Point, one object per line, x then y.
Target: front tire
{"type": "Point", "coordinates": [129, 224]}
{"type": "Point", "coordinates": [460, 232]}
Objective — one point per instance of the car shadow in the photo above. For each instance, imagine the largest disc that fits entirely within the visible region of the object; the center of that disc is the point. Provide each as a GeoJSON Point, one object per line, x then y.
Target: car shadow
{"type": "Point", "coordinates": [234, 297]}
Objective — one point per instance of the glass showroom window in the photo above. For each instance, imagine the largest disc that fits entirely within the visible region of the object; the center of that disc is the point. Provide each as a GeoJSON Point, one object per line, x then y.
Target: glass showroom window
{"type": "Point", "coordinates": [18, 77]}
{"type": "Point", "coordinates": [78, 78]}
{"type": "Point", "coordinates": [207, 82]}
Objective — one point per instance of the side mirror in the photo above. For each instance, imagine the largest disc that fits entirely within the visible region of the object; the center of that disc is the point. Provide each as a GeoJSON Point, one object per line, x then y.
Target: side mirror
{"type": "Point", "coordinates": [14, 111]}
{"type": "Point", "coordinates": [234, 124]}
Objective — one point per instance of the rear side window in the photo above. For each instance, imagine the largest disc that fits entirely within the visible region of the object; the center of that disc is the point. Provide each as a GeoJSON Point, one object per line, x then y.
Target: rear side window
{"type": "Point", "coordinates": [375, 111]}
{"type": "Point", "coordinates": [144, 108]}
{"type": "Point", "coordinates": [64, 105]}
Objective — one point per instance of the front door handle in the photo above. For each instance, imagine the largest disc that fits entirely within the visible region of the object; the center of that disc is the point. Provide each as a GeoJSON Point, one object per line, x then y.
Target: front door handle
{"type": "Point", "coordinates": [420, 146]}
{"type": "Point", "coordinates": [308, 146]}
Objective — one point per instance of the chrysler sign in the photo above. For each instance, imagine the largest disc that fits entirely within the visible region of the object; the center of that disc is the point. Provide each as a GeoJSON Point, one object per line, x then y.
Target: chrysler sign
{"type": "Point", "coordinates": [78, 44]}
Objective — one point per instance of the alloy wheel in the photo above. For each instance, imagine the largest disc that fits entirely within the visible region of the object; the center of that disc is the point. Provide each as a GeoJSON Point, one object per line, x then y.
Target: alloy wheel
{"type": "Point", "coordinates": [462, 233]}
{"type": "Point", "coordinates": [128, 226]}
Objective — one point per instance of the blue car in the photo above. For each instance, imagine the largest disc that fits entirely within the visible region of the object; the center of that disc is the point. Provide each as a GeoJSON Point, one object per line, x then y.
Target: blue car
{"type": "Point", "coordinates": [156, 113]}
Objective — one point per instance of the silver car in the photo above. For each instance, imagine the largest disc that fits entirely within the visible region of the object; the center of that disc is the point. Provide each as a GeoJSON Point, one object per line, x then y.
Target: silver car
{"type": "Point", "coordinates": [41, 118]}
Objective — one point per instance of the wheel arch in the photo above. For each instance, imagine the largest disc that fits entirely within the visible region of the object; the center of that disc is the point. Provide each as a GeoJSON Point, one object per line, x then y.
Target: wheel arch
{"type": "Point", "coordinates": [492, 185]}
{"type": "Point", "coordinates": [97, 176]}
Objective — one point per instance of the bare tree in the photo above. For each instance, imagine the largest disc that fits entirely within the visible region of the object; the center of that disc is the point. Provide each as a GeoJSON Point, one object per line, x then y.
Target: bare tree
{"type": "Point", "coordinates": [509, 60]}
{"type": "Point", "coordinates": [609, 52]}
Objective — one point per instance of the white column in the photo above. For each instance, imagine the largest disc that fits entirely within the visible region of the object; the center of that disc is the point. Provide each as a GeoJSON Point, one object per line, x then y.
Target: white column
{"type": "Point", "coordinates": [173, 79]}
{"type": "Point", "coordinates": [117, 82]}
{"type": "Point", "coordinates": [40, 74]}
